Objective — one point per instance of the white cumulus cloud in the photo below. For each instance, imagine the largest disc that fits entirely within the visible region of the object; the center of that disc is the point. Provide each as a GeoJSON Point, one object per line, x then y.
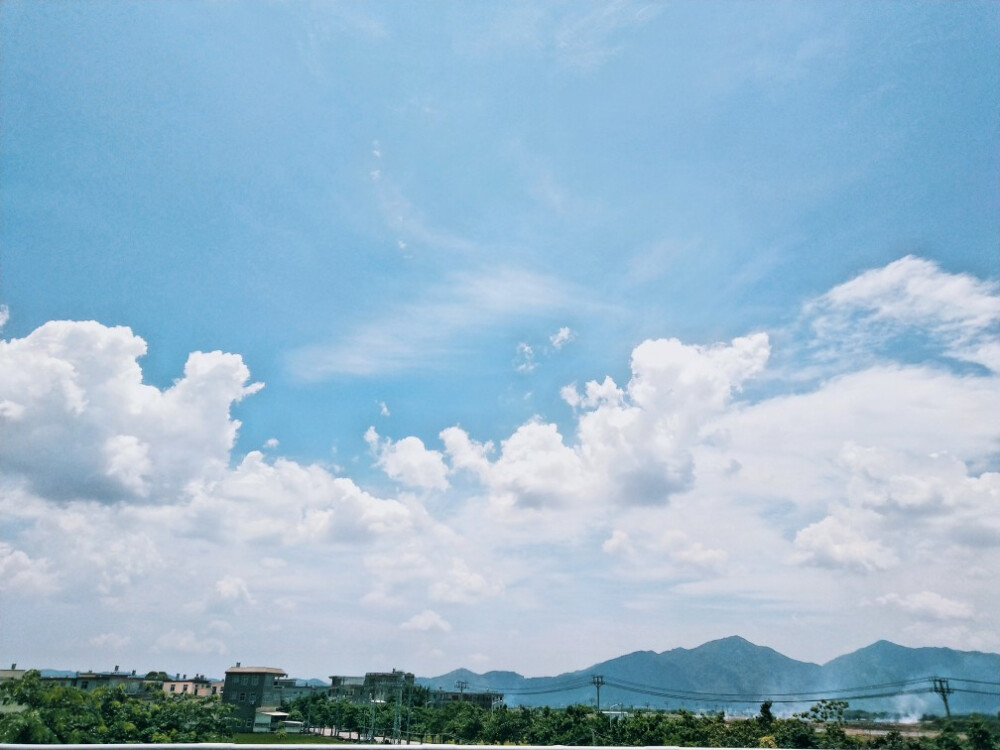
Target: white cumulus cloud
{"type": "Point", "coordinates": [427, 620]}
{"type": "Point", "coordinates": [928, 604]}
{"type": "Point", "coordinates": [839, 542]}
{"type": "Point", "coordinates": [19, 572]}
{"type": "Point", "coordinates": [409, 461]}
{"type": "Point", "coordinates": [86, 426]}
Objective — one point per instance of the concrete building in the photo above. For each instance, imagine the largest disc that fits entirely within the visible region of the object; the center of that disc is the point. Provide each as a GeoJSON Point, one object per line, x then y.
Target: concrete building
{"type": "Point", "coordinates": [91, 681]}
{"type": "Point", "coordinates": [487, 700]}
{"type": "Point", "coordinates": [377, 686]}
{"type": "Point", "coordinates": [343, 688]}
{"type": "Point", "coordinates": [251, 690]}
{"type": "Point", "coordinates": [198, 686]}
{"type": "Point", "coordinates": [291, 689]}
{"type": "Point", "coordinates": [11, 674]}
{"type": "Point", "coordinates": [383, 686]}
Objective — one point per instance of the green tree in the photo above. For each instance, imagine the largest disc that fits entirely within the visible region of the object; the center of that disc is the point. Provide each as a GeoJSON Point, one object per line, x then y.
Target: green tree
{"type": "Point", "coordinates": [980, 737]}
{"type": "Point", "coordinates": [766, 718]}
{"type": "Point", "coordinates": [892, 740]}
{"type": "Point", "coordinates": [794, 733]}
{"type": "Point", "coordinates": [62, 714]}
{"type": "Point", "coordinates": [827, 711]}
{"type": "Point", "coordinates": [947, 739]}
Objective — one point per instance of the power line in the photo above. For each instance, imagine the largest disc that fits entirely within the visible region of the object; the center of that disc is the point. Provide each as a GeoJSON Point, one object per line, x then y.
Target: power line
{"type": "Point", "coordinates": [565, 686]}
{"type": "Point", "coordinates": [977, 682]}
{"type": "Point", "coordinates": [913, 686]}
{"type": "Point", "coordinates": [760, 697]}
{"type": "Point", "coordinates": [804, 695]}
{"type": "Point", "coordinates": [975, 692]}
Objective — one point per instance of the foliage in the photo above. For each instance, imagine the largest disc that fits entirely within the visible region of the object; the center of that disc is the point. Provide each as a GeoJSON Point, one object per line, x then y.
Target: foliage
{"type": "Point", "coordinates": [980, 737]}
{"type": "Point", "coordinates": [826, 712]}
{"type": "Point", "coordinates": [823, 726]}
{"type": "Point", "coordinates": [54, 713]}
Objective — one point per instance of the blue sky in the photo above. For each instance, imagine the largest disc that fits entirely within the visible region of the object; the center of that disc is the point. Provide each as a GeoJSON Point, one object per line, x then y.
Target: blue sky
{"type": "Point", "coordinates": [767, 234]}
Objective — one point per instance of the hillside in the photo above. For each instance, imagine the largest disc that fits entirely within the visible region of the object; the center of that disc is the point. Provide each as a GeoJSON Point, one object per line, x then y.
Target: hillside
{"type": "Point", "coordinates": [735, 675]}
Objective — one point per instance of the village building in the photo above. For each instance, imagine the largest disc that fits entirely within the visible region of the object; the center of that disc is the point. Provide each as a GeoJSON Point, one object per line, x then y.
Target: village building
{"type": "Point", "coordinates": [252, 691]}
{"type": "Point", "coordinates": [91, 681]}
{"type": "Point", "coordinates": [374, 686]}
{"type": "Point", "coordinates": [487, 700]}
{"type": "Point", "coordinates": [198, 686]}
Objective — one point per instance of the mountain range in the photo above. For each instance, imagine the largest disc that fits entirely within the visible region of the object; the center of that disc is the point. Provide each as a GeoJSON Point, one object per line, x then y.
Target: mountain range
{"type": "Point", "coordinates": [734, 675]}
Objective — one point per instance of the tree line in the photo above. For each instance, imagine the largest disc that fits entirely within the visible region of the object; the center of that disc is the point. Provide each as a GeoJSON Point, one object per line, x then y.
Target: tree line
{"type": "Point", "coordinates": [823, 726]}
{"type": "Point", "coordinates": [50, 713]}
{"type": "Point", "coordinates": [59, 714]}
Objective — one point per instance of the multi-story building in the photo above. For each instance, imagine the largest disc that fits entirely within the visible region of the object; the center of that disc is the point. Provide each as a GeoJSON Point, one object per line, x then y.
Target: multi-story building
{"type": "Point", "coordinates": [488, 699]}
{"type": "Point", "coordinates": [377, 686]}
{"type": "Point", "coordinates": [383, 686]}
{"type": "Point", "coordinates": [11, 674]}
{"type": "Point", "coordinates": [91, 681]}
{"type": "Point", "coordinates": [291, 689]}
{"type": "Point", "coordinates": [251, 690]}
{"type": "Point", "coordinates": [199, 686]}
{"type": "Point", "coordinates": [343, 688]}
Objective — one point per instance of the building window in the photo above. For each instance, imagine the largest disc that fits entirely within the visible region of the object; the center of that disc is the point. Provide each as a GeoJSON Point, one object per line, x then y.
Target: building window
{"type": "Point", "coordinates": [172, 688]}
{"type": "Point", "coordinates": [243, 697]}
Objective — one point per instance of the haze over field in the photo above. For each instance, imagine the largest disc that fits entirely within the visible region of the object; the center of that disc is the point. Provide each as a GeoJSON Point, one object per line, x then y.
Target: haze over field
{"type": "Point", "coordinates": [349, 336]}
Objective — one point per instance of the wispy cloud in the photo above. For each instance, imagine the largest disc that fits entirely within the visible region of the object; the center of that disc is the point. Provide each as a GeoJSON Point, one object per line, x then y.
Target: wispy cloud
{"type": "Point", "coordinates": [406, 220]}
{"type": "Point", "coordinates": [578, 36]}
{"type": "Point", "coordinates": [588, 36]}
{"type": "Point", "coordinates": [524, 362]}
{"type": "Point", "coordinates": [435, 328]}
{"type": "Point", "coordinates": [560, 338]}
{"type": "Point", "coordinates": [185, 641]}
{"type": "Point", "coordinates": [956, 314]}
{"type": "Point", "coordinates": [110, 641]}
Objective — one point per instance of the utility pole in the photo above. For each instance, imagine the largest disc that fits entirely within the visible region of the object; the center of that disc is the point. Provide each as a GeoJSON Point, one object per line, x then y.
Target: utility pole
{"type": "Point", "coordinates": [399, 705]}
{"type": "Point", "coordinates": [598, 680]}
{"type": "Point", "coordinates": [942, 688]}
{"type": "Point", "coordinates": [409, 712]}
{"type": "Point", "coordinates": [461, 685]}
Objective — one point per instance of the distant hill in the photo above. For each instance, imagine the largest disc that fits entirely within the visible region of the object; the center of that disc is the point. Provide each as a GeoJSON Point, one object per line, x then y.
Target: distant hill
{"type": "Point", "coordinates": [738, 675]}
